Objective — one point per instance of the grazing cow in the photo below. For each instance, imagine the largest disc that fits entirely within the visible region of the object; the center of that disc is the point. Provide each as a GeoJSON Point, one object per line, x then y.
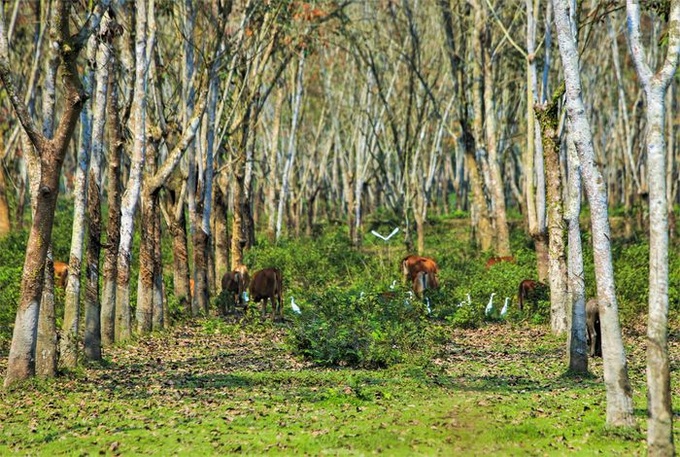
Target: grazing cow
{"type": "Point", "coordinates": [267, 284]}
{"type": "Point", "coordinates": [593, 328]}
{"type": "Point", "coordinates": [235, 283]}
{"type": "Point", "coordinates": [413, 264]}
{"type": "Point", "coordinates": [494, 260]}
{"type": "Point", "coordinates": [530, 290]}
{"type": "Point", "coordinates": [60, 274]}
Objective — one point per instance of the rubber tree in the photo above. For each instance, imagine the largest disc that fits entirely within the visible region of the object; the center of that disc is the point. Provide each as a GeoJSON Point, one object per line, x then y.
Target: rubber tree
{"type": "Point", "coordinates": [51, 151]}
{"type": "Point", "coordinates": [655, 85]}
{"type": "Point", "coordinates": [617, 384]}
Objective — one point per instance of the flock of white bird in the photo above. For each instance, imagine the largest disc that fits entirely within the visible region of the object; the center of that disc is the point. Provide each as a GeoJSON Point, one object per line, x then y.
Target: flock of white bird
{"type": "Point", "coordinates": [487, 311]}
{"type": "Point", "coordinates": [489, 306]}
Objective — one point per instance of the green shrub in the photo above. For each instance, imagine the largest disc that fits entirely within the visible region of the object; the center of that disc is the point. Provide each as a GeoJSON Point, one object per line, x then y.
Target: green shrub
{"type": "Point", "coordinates": [10, 289]}
{"type": "Point", "coordinates": [361, 329]}
{"type": "Point", "coordinates": [632, 279]}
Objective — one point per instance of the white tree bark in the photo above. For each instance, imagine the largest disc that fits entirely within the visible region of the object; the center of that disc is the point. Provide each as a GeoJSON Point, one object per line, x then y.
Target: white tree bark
{"type": "Point", "coordinates": [93, 329]}
{"type": "Point", "coordinates": [69, 345]}
{"type": "Point", "coordinates": [660, 422]}
{"type": "Point", "coordinates": [292, 145]}
{"type": "Point", "coordinates": [619, 394]}
{"type": "Point", "coordinates": [113, 196]}
{"type": "Point", "coordinates": [132, 190]}
{"type": "Point", "coordinates": [21, 360]}
{"type": "Point", "coordinates": [576, 345]}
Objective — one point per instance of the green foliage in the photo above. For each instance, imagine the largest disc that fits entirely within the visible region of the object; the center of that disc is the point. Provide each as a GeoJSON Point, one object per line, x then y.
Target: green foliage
{"type": "Point", "coordinates": [362, 329]}
{"type": "Point", "coordinates": [10, 280]}
{"type": "Point", "coordinates": [309, 265]}
{"type": "Point", "coordinates": [61, 230]}
{"type": "Point", "coordinates": [13, 248]}
{"type": "Point", "coordinates": [466, 316]}
{"type": "Point", "coordinates": [632, 279]}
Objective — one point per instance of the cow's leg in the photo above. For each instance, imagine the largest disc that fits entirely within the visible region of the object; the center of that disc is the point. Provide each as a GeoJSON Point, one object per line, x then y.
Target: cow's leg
{"type": "Point", "coordinates": [278, 309]}
{"type": "Point", "coordinates": [590, 331]}
{"type": "Point", "coordinates": [593, 329]}
{"type": "Point", "coordinates": [598, 337]}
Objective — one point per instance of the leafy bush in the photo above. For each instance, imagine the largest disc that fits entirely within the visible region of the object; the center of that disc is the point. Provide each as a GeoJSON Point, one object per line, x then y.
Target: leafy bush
{"type": "Point", "coordinates": [13, 248]}
{"type": "Point", "coordinates": [632, 279]}
{"type": "Point", "coordinates": [10, 281]}
{"type": "Point", "coordinates": [312, 265]}
{"type": "Point", "coordinates": [359, 329]}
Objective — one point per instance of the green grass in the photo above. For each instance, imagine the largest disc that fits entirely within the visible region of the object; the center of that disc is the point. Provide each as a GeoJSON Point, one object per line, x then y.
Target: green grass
{"type": "Point", "coordinates": [218, 388]}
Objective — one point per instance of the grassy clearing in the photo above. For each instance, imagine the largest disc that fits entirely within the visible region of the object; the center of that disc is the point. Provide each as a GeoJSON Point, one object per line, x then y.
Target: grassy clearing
{"type": "Point", "coordinates": [211, 387]}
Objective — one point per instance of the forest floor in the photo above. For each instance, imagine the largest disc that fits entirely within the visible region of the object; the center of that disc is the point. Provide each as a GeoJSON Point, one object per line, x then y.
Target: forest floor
{"type": "Point", "coordinates": [217, 388]}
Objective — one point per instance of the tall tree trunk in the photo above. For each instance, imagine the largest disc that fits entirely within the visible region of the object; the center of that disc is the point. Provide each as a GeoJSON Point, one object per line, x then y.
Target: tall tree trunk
{"type": "Point", "coordinates": [47, 350]}
{"type": "Point", "coordinates": [273, 159]}
{"type": "Point", "coordinates": [93, 333]}
{"type": "Point", "coordinates": [238, 235]}
{"type": "Point", "coordinates": [46, 344]}
{"type": "Point", "coordinates": [495, 182]}
{"type": "Point", "coordinates": [482, 217]}
{"type": "Point", "coordinates": [145, 284]}
{"type": "Point", "coordinates": [292, 144]}
{"type": "Point", "coordinates": [21, 362]}
{"type": "Point", "coordinates": [533, 156]}
{"type": "Point", "coordinates": [113, 195]}
{"type": "Point", "coordinates": [548, 118]}
{"type": "Point", "coordinates": [150, 311]}
{"type": "Point", "coordinates": [132, 189]}
{"type": "Point", "coordinates": [203, 235]}
{"type": "Point", "coordinates": [619, 393]}
{"type": "Point", "coordinates": [161, 316]}
{"type": "Point", "coordinates": [93, 328]}
{"type": "Point", "coordinates": [481, 228]}
{"type": "Point", "coordinates": [188, 13]}
{"type": "Point", "coordinates": [577, 346]}
{"type": "Point", "coordinates": [70, 340]}
{"type": "Point", "coordinates": [627, 134]}
{"type": "Point", "coordinates": [47, 341]}
{"type": "Point", "coordinates": [177, 226]}
{"type": "Point", "coordinates": [660, 422]}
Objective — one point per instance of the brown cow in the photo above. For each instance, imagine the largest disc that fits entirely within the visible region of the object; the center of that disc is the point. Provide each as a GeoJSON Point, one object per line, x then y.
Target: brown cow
{"type": "Point", "coordinates": [494, 260]}
{"type": "Point", "coordinates": [236, 283]}
{"type": "Point", "coordinates": [593, 328]}
{"type": "Point", "coordinates": [268, 284]}
{"type": "Point", "coordinates": [530, 290]}
{"type": "Point", "coordinates": [60, 274]}
{"type": "Point", "coordinates": [413, 264]}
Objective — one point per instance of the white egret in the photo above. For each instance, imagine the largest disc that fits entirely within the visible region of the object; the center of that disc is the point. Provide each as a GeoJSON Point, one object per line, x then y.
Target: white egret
{"type": "Point", "coordinates": [489, 306]}
{"type": "Point", "coordinates": [504, 311]}
{"type": "Point", "coordinates": [296, 308]}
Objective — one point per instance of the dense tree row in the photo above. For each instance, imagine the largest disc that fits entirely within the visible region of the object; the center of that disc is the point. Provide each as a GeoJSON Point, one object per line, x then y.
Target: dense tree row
{"type": "Point", "coordinates": [177, 117]}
